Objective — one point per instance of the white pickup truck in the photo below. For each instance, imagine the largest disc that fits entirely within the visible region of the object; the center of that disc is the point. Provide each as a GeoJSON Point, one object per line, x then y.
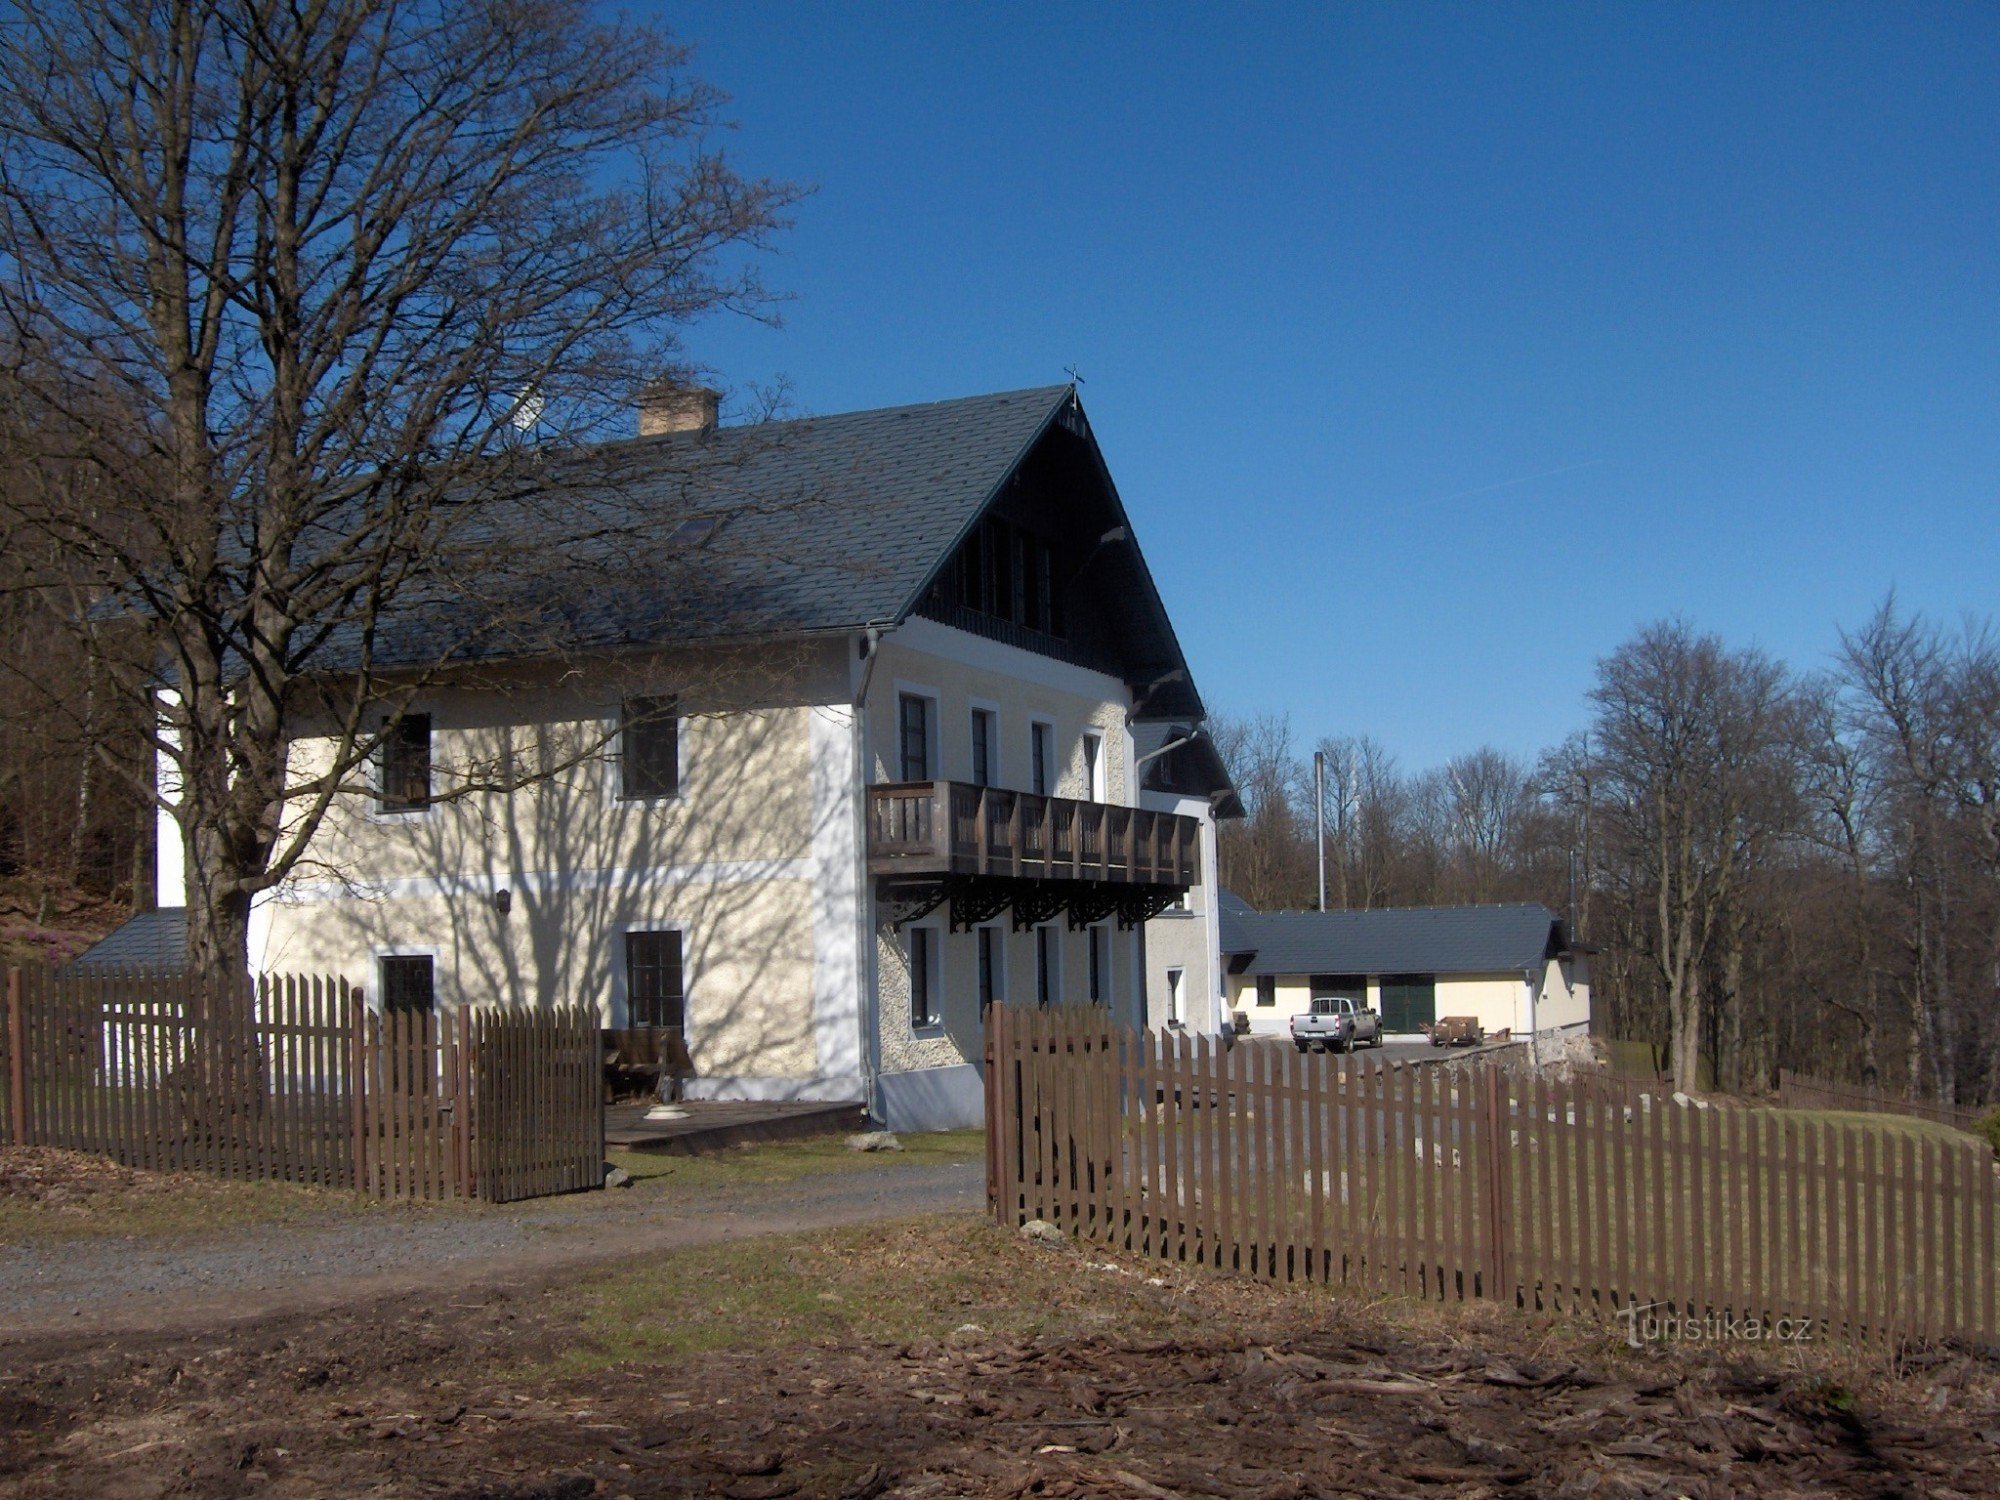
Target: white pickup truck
{"type": "Point", "coordinates": [1336, 1024]}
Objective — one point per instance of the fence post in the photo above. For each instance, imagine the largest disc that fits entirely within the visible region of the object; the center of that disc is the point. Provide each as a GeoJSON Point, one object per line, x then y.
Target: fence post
{"type": "Point", "coordinates": [17, 1062]}
{"type": "Point", "coordinates": [1495, 1164]}
{"type": "Point", "coordinates": [992, 1101]}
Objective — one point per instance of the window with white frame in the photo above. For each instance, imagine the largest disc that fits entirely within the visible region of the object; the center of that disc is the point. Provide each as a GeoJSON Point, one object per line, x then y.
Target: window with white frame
{"type": "Point", "coordinates": [1093, 766]}
{"type": "Point", "coordinates": [1041, 759]}
{"type": "Point", "coordinates": [1048, 967]}
{"type": "Point", "coordinates": [991, 978]}
{"type": "Point", "coordinates": [655, 980]}
{"type": "Point", "coordinates": [913, 736]}
{"type": "Point", "coordinates": [982, 747]}
{"type": "Point", "coordinates": [921, 946]}
{"type": "Point", "coordinates": [1099, 954]}
{"type": "Point", "coordinates": [403, 764]}
{"type": "Point", "coordinates": [1267, 989]}
{"type": "Point", "coordinates": [1176, 978]}
{"type": "Point", "coordinates": [649, 748]}
{"type": "Point", "coordinates": [407, 981]}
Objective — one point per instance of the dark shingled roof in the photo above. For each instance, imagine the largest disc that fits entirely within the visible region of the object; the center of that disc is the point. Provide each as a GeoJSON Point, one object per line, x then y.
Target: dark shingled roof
{"type": "Point", "coordinates": [1395, 940]}
{"type": "Point", "coordinates": [156, 939]}
{"type": "Point", "coordinates": [826, 524]}
{"type": "Point", "coordinates": [840, 520]}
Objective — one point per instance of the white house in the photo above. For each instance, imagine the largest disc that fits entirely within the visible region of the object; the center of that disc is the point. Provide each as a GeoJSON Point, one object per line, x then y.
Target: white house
{"type": "Point", "coordinates": [900, 776]}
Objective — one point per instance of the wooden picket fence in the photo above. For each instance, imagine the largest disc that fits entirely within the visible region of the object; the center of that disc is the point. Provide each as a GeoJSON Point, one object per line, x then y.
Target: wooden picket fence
{"type": "Point", "coordinates": [1800, 1091]}
{"type": "Point", "coordinates": [296, 1079]}
{"type": "Point", "coordinates": [1461, 1180]}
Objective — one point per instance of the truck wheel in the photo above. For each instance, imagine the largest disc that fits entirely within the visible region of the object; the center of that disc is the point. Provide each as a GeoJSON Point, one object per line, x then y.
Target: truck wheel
{"type": "Point", "coordinates": [1303, 1046]}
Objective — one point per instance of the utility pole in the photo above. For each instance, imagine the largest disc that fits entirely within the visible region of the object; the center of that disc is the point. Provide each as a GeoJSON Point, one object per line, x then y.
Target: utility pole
{"type": "Point", "coordinates": [1319, 819]}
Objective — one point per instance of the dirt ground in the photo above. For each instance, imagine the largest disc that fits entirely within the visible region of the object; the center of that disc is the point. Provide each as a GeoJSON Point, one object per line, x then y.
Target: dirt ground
{"type": "Point", "coordinates": [943, 1356]}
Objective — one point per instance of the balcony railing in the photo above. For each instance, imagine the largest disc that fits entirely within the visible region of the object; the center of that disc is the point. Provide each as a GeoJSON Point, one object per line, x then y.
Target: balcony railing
{"type": "Point", "coordinates": [953, 828]}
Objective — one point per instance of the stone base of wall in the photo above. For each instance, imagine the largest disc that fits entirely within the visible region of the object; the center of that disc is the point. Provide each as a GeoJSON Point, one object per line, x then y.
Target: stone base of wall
{"type": "Point", "coordinates": [775, 1090]}
{"type": "Point", "coordinates": [932, 1099]}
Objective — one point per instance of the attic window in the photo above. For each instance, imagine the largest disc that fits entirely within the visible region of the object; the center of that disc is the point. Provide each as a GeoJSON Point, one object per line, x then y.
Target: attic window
{"type": "Point", "coordinates": [1009, 573]}
{"type": "Point", "coordinates": [694, 532]}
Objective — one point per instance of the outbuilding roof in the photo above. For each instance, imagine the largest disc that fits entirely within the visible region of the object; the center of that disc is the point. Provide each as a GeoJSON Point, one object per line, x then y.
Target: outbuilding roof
{"type": "Point", "coordinates": [155, 939]}
{"type": "Point", "coordinates": [1393, 940]}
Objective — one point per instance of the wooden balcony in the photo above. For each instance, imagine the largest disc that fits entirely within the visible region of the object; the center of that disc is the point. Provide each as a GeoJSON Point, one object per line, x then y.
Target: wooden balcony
{"type": "Point", "coordinates": [933, 828]}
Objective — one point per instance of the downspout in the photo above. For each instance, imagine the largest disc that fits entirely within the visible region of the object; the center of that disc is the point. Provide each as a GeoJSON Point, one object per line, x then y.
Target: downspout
{"type": "Point", "coordinates": [1187, 739]}
{"type": "Point", "coordinates": [1534, 1029]}
{"type": "Point", "coordinates": [871, 1031]}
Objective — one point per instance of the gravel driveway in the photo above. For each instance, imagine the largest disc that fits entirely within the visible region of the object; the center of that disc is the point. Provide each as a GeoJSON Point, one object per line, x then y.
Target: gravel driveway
{"type": "Point", "coordinates": [110, 1283]}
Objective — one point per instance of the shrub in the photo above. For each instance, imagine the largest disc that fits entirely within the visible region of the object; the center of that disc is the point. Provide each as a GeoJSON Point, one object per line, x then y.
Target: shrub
{"type": "Point", "coordinates": [1987, 1128]}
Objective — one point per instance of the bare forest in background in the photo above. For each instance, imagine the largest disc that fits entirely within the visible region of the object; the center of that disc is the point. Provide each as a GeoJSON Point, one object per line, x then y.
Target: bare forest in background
{"type": "Point", "coordinates": [1782, 868]}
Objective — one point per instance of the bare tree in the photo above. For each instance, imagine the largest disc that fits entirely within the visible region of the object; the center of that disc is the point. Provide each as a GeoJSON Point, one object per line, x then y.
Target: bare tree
{"type": "Point", "coordinates": [1487, 796]}
{"type": "Point", "coordinates": [343, 272]}
{"type": "Point", "coordinates": [1366, 804]}
{"type": "Point", "coordinates": [1266, 857]}
{"type": "Point", "coordinates": [1928, 705]}
{"type": "Point", "coordinates": [1688, 731]}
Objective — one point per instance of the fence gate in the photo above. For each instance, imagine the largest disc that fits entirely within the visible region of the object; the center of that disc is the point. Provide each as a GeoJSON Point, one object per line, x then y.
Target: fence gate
{"type": "Point", "coordinates": [537, 1082]}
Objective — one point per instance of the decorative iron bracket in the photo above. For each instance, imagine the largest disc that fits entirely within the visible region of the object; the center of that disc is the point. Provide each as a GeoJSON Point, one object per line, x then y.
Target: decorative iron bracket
{"type": "Point", "coordinates": [976, 901]}
{"type": "Point", "coordinates": [1138, 906]}
{"type": "Point", "coordinates": [900, 903]}
{"type": "Point", "coordinates": [1040, 902]}
{"type": "Point", "coordinates": [1094, 904]}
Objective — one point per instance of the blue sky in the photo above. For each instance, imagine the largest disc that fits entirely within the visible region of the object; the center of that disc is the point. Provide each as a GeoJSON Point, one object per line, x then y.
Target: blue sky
{"type": "Point", "coordinates": [1434, 349]}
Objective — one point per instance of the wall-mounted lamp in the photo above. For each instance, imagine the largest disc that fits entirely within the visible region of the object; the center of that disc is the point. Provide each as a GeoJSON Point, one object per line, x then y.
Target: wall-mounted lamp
{"type": "Point", "coordinates": [503, 902]}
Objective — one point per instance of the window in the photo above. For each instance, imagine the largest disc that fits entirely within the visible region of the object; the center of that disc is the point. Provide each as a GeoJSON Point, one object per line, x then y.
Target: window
{"type": "Point", "coordinates": [655, 992]}
{"type": "Point", "coordinates": [989, 967]}
{"type": "Point", "coordinates": [1040, 737]}
{"type": "Point", "coordinates": [1009, 573]}
{"type": "Point", "coordinates": [1100, 967]}
{"type": "Point", "coordinates": [1093, 767]}
{"type": "Point", "coordinates": [914, 736]}
{"type": "Point", "coordinates": [649, 748]}
{"type": "Point", "coordinates": [406, 983]}
{"type": "Point", "coordinates": [403, 764]}
{"type": "Point", "coordinates": [1175, 978]}
{"type": "Point", "coordinates": [922, 944]}
{"type": "Point", "coordinates": [1267, 989]}
{"type": "Point", "coordinates": [982, 747]}
{"type": "Point", "coordinates": [1045, 965]}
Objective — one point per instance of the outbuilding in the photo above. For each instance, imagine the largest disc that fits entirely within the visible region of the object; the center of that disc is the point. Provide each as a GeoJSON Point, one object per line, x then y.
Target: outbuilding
{"type": "Point", "coordinates": [1513, 967]}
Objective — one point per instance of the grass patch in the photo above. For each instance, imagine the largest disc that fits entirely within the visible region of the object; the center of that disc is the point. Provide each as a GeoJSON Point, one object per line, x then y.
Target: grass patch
{"type": "Point", "coordinates": [789, 1161]}
{"type": "Point", "coordinates": [898, 1282]}
{"type": "Point", "coordinates": [174, 1206]}
{"type": "Point", "coordinates": [1884, 1124]}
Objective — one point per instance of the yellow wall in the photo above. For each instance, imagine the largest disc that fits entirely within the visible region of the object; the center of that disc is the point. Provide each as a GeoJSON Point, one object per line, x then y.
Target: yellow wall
{"type": "Point", "coordinates": [729, 861]}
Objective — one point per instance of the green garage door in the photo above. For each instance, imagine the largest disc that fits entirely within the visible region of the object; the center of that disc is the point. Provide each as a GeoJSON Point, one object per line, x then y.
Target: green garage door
{"type": "Point", "coordinates": [1409, 1002]}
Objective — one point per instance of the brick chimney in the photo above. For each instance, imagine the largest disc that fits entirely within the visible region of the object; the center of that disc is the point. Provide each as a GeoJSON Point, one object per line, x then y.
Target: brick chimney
{"type": "Point", "coordinates": [665, 406]}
